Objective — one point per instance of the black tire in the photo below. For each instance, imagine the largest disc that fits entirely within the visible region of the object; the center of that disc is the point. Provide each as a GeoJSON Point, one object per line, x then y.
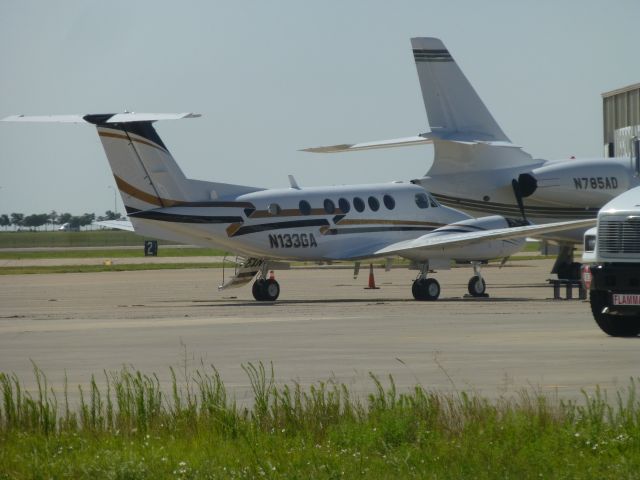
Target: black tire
{"type": "Point", "coordinates": [271, 290]}
{"type": "Point", "coordinates": [417, 289]}
{"type": "Point", "coordinates": [431, 290]}
{"type": "Point", "coordinates": [476, 286]}
{"type": "Point", "coordinates": [614, 325]}
{"type": "Point", "coordinates": [258, 290]}
{"type": "Point", "coordinates": [426, 289]}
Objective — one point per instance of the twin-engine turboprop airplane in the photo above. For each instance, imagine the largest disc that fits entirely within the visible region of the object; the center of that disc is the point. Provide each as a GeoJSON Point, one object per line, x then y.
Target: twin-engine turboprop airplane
{"type": "Point", "coordinates": [265, 226]}
{"type": "Point", "coordinates": [477, 169]}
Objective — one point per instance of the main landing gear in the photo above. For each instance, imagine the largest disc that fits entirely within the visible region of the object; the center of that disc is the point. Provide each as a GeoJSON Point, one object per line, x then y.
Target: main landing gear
{"type": "Point", "coordinates": [265, 289]}
{"type": "Point", "coordinates": [423, 288]}
{"type": "Point", "coordinates": [428, 289]}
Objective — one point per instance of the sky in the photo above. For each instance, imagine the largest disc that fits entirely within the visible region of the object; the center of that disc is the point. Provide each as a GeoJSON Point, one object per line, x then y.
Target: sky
{"type": "Point", "coordinates": [271, 78]}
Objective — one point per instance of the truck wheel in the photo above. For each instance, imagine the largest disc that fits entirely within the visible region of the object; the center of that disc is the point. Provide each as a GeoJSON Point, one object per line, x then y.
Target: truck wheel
{"type": "Point", "coordinates": [614, 325]}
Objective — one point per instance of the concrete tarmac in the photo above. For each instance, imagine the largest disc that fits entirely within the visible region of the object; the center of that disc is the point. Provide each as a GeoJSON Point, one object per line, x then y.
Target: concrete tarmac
{"type": "Point", "coordinates": [325, 325]}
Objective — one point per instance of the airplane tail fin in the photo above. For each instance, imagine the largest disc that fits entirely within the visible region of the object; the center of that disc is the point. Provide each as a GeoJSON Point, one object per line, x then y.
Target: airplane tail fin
{"type": "Point", "coordinates": [464, 135]}
{"type": "Point", "coordinates": [145, 172]}
{"type": "Point", "coordinates": [454, 109]}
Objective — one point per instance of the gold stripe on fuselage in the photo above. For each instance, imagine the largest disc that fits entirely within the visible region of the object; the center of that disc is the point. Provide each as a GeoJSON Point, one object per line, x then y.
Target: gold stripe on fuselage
{"type": "Point", "coordinates": [291, 212]}
{"type": "Point", "coordinates": [144, 196]}
{"type": "Point", "coordinates": [233, 228]}
{"type": "Point", "coordinates": [128, 138]}
{"type": "Point", "coordinates": [375, 221]}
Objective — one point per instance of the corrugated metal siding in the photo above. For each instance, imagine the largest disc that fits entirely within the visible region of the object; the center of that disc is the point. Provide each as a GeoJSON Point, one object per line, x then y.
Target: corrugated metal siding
{"type": "Point", "coordinates": [620, 109]}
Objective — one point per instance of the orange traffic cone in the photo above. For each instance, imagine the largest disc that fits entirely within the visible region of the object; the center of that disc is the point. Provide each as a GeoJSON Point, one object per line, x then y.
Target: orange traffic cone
{"type": "Point", "coordinates": [372, 280]}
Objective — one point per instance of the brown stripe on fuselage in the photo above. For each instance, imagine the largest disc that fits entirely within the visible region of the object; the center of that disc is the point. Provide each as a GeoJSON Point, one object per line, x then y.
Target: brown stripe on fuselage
{"type": "Point", "coordinates": [292, 212]}
{"type": "Point", "coordinates": [233, 228]}
{"type": "Point", "coordinates": [144, 196]}
{"type": "Point", "coordinates": [375, 221]}
{"type": "Point", "coordinates": [131, 137]}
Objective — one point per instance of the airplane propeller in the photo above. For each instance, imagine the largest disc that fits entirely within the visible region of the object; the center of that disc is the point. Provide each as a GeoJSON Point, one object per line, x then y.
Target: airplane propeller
{"type": "Point", "coordinates": [518, 194]}
{"type": "Point", "coordinates": [524, 186]}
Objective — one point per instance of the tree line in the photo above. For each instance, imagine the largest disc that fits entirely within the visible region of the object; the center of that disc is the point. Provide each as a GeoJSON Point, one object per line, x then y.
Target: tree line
{"type": "Point", "coordinates": [37, 220]}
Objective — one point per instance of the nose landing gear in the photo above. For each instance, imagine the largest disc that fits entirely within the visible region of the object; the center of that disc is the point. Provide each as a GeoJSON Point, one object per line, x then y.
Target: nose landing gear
{"type": "Point", "coordinates": [477, 285]}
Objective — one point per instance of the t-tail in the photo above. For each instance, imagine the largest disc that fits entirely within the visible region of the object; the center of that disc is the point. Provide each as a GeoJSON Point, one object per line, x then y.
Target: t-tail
{"type": "Point", "coordinates": [145, 172]}
{"type": "Point", "coordinates": [454, 109]}
{"type": "Point", "coordinates": [465, 135]}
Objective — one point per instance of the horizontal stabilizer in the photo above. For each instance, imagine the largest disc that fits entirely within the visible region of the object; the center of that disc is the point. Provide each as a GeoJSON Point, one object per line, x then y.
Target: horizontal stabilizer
{"type": "Point", "coordinates": [422, 139]}
{"type": "Point", "coordinates": [101, 118]}
{"type": "Point", "coordinates": [430, 242]}
{"type": "Point", "coordinates": [116, 224]}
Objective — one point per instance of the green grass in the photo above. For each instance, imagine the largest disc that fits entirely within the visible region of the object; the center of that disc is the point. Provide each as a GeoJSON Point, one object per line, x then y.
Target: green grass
{"type": "Point", "coordinates": [48, 269]}
{"type": "Point", "coordinates": [96, 238]}
{"type": "Point", "coordinates": [103, 268]}
{"type": "Point", "coordinates": [166, 251]}
{"type": "Point", "coordinates": [126, 426]}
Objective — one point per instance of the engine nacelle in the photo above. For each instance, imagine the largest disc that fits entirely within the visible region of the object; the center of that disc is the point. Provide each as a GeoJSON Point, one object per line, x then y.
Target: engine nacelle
{"type": "Point", "coordinates": [484, 250]}
{"type": "Point", "coordinates": [579, 183]}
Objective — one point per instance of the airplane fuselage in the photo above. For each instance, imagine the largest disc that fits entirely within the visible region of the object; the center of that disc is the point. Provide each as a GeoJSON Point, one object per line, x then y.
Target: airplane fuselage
{"type": "Point", "coordinates": [564, 189]}
{"type": "Point", "coordinates": [319, 223]}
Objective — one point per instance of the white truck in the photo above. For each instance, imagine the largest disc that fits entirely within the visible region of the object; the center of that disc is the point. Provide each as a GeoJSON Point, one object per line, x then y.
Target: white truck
{"type": "Point", "coordinates": [611, 270]}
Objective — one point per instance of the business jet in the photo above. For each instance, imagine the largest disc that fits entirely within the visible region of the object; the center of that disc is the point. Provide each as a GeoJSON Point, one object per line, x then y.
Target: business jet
{"type": "Point", "coordinates": [477, 169]}
{"type": "Point", "coordinates": [267, 226]}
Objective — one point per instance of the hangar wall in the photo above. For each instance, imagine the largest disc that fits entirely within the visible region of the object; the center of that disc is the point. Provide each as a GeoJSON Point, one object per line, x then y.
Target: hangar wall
{"type": "Point", "coordinates": [621, 120]}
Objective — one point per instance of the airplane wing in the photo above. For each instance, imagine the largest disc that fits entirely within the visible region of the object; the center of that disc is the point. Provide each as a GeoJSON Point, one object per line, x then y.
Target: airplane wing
{"type": "Point", "coordinates": [117, 224]}
{"type": "Point", "coordinates": [359, 252]}
{"type": "Point", "coordinates": [430, 242]}
{"type": "Point", "coordinates": [422, 139]}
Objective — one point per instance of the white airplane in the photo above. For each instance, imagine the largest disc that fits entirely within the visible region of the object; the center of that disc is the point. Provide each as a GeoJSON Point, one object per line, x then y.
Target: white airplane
{"type": "Point", "coordinates": [266, 226]}
{"type": "Point", "coordinates": [477, 169]}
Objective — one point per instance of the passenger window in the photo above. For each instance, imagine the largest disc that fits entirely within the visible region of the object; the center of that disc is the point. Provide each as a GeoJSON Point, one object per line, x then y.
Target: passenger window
{"type": "Point", "coordinates": [274, 209]}
{"type": "Point", "coordinates": [344, 205]}
{"type": "Point", "coordinates": [358, 204]}
{"type": "Point", "coordinates": [389, 202]}
{"type": "Point", "coordinates": [374, 204]}
{"type": "Point", "coordinates": [305, 208]}
{"type": "Point", "coordinates": [329, 206]}
{"type": "Point", "coordinates": [421, 200]}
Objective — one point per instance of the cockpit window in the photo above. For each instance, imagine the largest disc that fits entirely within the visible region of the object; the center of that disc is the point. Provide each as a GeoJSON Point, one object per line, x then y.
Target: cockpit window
{"type": "Point", "coordinates": [421, 200]}
{"type": "Point", "coordinates": [433, 201]}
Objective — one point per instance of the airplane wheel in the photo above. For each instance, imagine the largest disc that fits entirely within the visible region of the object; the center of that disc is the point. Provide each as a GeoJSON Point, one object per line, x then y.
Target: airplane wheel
{"type": "Point", "coordinates": [426, 289]}
{"type": "Point", "coordinates": [477, 286]}
{"type": "Point", "coordinates": [432, 289]}
{"type": "Point", "coordinates": [258, 290]}
{"type": "Point", "coordinates": [271, 290]}
{"type": "Point", "coordinates": [417, 289]}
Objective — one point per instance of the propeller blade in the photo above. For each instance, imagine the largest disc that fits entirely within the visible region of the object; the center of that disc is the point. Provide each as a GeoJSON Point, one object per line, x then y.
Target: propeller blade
{"type": "Point", "coordinates": [518, 194]}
